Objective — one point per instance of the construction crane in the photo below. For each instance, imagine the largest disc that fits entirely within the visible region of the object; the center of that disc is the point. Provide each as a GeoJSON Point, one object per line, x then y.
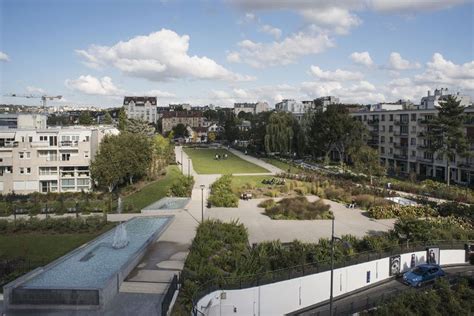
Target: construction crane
{"type": "Point", "coordinates": [43, 98]}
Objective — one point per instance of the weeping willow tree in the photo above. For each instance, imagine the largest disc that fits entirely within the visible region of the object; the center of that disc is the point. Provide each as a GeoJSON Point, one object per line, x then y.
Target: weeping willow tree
{"type": "Point", "coordinates": [279, 133]}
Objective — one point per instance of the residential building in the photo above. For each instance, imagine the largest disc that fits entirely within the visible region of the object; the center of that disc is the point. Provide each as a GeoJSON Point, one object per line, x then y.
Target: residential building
{"type": "Point", "coordinates": [298, 109]}
{"type": "Point", "coordinates": [141, 108]}
{"type": "Point", "coordinates": [393, 106]}
{"type": "Point", "coordinates": [327, 100]}
{"type": "Point", "coordinates": [431, 101]}
{"type": "Point", "coordinates": [400, 137]}
{"type": "Point", "coordinates": [23, 120]}
{"type": "Point", "coordinates": [253, 108]}
{"type": "Point", "coordinates": [180, 107]}
{"type": "Point", "coordinates": [193, 119]}
{"type": "Point", "coordinates": [48, 160]}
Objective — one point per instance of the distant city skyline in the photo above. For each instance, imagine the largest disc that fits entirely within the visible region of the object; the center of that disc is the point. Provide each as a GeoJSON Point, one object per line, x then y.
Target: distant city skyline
{"type": "Point", "coordinates": [221, 52]}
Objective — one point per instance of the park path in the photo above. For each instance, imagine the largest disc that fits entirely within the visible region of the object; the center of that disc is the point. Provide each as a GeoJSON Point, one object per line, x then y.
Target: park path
{"type": "Point", "coordinates": [273, 170]}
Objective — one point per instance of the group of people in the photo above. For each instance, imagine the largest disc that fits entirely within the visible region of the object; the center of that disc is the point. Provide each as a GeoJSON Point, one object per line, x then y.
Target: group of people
{"type": "Point", "coordinates": [219, 157]}
{"type": "Point", "coordinates": [352, 204]}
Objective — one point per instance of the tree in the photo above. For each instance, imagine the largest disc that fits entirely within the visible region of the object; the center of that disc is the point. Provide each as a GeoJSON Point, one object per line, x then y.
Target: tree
{"type": "Point", "coordinates": [122, 120]}
{"type": "Point", "coordinates": [445, 133]}
{"type": "Point", "coordinates": [231, 131]}
{"type": "Point", "coordinates": [335, 129]}
{"type": "Point", "coordinates": [85, 118]}
{"type": "Point", "coordinates": [135, 155]}
{"type": "Point", "coordinates": [367, 161]}
{"type": "Point", "coordinates": [211, 137]}
{"type": "Point", "coordinates": [180, 130]}
{"type": "Point", "coordinates": [279, 133]}
{"type": "Point", "coordinates": [135, 126]}
{"type": "Point", "coordinates": [108, 119]}
{"type": "Point", "coordinates": [106, 168]}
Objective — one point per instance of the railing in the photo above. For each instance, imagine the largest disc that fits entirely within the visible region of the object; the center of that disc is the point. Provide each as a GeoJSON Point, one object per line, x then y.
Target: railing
{"type": "Point", "coordinates": [398, 156]}
{"type": "Point", "coordinates": [422, 159]}
{"type": "Point", "coordinates": [397, 122]}
{"type": "Point", "coordinates": [247, 281]}
{"type": "Point", "coordinates": [166, 302]}
{"type": "Point", "coordinates": [372, 122]}
{"type": "Point", "coordinates": [10, 145]}
{"type": "Point", "coordinates": [69, 143]}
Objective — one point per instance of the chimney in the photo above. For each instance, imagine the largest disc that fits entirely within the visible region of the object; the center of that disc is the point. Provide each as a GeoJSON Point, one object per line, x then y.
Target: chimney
{"type": "Point", "coordinates": [429, 93]}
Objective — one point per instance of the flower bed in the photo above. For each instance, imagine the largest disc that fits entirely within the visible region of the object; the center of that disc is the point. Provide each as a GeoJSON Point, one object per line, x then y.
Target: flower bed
{"type": "Point", "coordinates": [398, 211]}
{"type": "Point", "coordinates": [298, 208]}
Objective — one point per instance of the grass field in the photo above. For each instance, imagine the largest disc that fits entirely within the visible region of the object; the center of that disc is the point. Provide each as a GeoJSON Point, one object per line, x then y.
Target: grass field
{"type": "Point", "coordinates": [152, 192]}
{"type": "Point", "coordinates": [204, 162]}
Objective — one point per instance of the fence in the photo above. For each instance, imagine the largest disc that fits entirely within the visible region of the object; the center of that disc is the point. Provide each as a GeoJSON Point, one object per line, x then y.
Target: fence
{"type": "Point", "coordinates": [274, 276]}
{"type": "Point", "coordinates": [11, 269]}
{"type": "Point", "coordinates": [166, 302]}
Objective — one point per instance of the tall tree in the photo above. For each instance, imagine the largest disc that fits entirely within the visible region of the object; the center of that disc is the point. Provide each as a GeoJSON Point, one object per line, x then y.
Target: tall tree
{"type": "Point", "coordinates": [279, 133]}
{"type": "Point", "coordinates": [180, 130]}
{"type": "Point", "coordinates": [135, 155]}
{"type": "Point", "coordinates": [122, 120]}
{"type": "Point", "coordinates": [445, 133]}
{"type": "Point", "coordinates": [367, 161]}
{"type": "Point", "coordinates": [135, 126]}
{"type": "Point", "coordinates": [231, 131]}
{"type": "Point", "coordinates": [334, 129]}
{"type": "Point", "coordinates": [85, 118]}
{"type": "Point", "coordinates": [106, 168]}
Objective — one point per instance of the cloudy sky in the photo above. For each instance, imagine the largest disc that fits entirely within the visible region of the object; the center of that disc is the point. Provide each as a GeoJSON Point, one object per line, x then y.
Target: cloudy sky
{"type": "Point", "coordinates": [220, 52]}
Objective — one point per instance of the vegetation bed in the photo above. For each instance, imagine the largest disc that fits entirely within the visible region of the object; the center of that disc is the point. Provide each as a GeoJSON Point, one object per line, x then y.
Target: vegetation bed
{"type": "Point", "coordinates": [297, 208]}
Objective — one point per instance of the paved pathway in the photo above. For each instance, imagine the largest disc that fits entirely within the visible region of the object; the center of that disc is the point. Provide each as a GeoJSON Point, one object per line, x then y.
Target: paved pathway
{"type": "Point", "coordinates": [263, 228]}
{"type": "Point", "coordinates": [256, 161]}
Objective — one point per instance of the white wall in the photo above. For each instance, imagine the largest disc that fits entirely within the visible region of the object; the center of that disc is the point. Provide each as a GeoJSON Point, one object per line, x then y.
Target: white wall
{"type": "Point", "coordinates": [287, 296]}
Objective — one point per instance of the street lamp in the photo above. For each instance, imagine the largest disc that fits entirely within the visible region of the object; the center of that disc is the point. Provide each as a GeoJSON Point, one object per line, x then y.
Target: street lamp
{"type": "Point", "coordinates": [347, 245]}
{"type": "Point", "coordinates": [202, 202]}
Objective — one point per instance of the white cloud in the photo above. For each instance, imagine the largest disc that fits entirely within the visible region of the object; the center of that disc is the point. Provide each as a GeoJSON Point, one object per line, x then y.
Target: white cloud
{"type": "Point", "coordinates": [31, 89]}
{"type": "Point", "coordinates": [4, 57]}
{"type": "Point", "coordinates": [337, 75]}
{"type": "Point", "coordinates": [233, 57]}
{"type": "Point", "coordinates": [440, 71]}
{"type": "Point", "coordinates": [333, 18]}
{"type": "Point", "coordinates": [94, 86]}
{"type": "Point", "coordinates": [161, 55]}
{"type": "Point", "coordinates": [362, 58]}
{"type": "Point", "coordinates": [284, 52]}
{"type": "Point", "coordinates": [158, 93]}
{"type": "Point", "coordinates": [273, 31]}
{"type": "Point", "coordinates": [411, 6]}
{"type": "Point", "coordinates": [398, 63]}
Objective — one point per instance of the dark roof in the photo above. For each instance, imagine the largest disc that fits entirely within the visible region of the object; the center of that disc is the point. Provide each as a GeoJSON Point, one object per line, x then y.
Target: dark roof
{"type": "Point", "coordinates": [139, 100]}
{"type": "Point", "coordinates": [182, 114]}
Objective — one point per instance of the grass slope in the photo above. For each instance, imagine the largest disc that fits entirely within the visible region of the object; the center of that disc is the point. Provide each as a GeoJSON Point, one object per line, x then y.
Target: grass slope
{"type": "Point", "coordinates": [153, 191]}
{"type": "Point", "coordinates": [204, 162]}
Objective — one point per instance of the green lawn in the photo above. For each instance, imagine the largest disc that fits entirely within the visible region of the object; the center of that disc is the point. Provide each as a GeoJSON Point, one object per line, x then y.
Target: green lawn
{"type": "Point", "coordinates": [152, 192]}
{"type": "Point", "coordinates": [204, 162]}
{"type": "Point", "coordinates": [248, 182]}
{"type": "Point", "coordinates": [280, 164]}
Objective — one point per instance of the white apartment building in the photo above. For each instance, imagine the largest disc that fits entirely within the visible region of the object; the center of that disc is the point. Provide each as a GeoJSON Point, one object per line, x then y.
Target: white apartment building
{"type": "Point", "coordinates": [297, 108]}
{"type": "Point", "coordinates": [23, 120]}
{"type": "Point", "coordinates": [400, 137]}
{"type": "Point", "coordinates": [253, 108]}
{"type": "Point", "coordinates": [431, 101]}
{"type": "Point", "coordinates": [48, 160]}
{"type": "Point", "coordinates": [141, 108]}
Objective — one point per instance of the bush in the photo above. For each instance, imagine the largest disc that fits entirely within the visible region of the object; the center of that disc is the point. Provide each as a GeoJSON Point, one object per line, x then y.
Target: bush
{"type": "Point", "coordinates": [182, 187]}
{"type": "Point", "coordinates": [298, 208]}
{"type": "Point", "coordinates": [367, 201]}
{"type": "Point", "coordinates": [221, 193]}
{"type": "Point", "coordinates": [53, 225]}
{"type": "Point", "coordinates": [395, 210]}
{"type": "Point", "coordinates": [267, 203]}
{"type": "Point", "coordinates": [337, 194]}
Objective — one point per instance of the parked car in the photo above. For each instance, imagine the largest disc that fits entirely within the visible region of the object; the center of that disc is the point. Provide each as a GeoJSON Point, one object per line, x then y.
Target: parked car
{"type": "Point", "coordinates": [422, 274]}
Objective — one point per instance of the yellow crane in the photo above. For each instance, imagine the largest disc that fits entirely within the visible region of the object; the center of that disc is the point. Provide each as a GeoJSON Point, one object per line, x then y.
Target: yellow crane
{"type": "Point", "coordinates": [43, 98]}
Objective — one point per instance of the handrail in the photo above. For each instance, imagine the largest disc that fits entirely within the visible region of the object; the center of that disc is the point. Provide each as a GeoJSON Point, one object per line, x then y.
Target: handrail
{"type": "Point", "coordinates": [262, 278]}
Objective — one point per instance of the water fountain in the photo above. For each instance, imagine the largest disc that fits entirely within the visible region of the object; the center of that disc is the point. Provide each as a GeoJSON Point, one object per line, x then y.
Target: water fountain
{"type": "Point", "coordinates": [120, 235]}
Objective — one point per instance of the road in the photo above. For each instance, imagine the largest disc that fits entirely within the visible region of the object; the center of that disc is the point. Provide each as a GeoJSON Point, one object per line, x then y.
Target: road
{"type": "Point", "coordinates": [359, 301]}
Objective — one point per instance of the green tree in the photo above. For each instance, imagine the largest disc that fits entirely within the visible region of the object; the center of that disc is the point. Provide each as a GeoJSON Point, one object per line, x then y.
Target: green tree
{"type": "Point", "coordinates": [106, 168]}
{"type": "Point", "coordinates": [279, 133]}
{"type": "Point", "coordinates": [231, 131]}
{"type": "Point", "coordinates": [85, 118]}
{"type": "Point", "coordinates": [180, 130]}
{"type": "Point", "coordinates": [367, 161]}
{"type": "Point", "coordinates": [135, 155]}
{"type": "Point", "coordinates": [139, 127]}
{"type": "Point", "coordinates": [122, 120]}
{"type": "Point", "coordinates": [108, 119]}
{"type": "Point", "coordinates": [334, 129]}
{"type": "Point", "coordinates": [446, 132]}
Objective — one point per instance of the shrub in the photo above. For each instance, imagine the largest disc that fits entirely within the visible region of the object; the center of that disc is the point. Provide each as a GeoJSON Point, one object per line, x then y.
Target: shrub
{"type": "Point", "coordinates": [182, 187]}
{"type": "Point", "coordinates": [366, 201]}
{"type": "Point", "coordinates": [267, 203]}
{"type": "Point", "coordinates": [301, 191]}
{"type": "Point", "coordinates": [298, 208]}
{"type": "Point", "coordinates": [221, 193]}
{"type": "Point", "coordinates": [53, 225]}
{"type": "Point", "coordinates": [395, 210]}
{"type": "Point", "coordinates": [337, 194]}
{"type": "Point", "coordinates": [271, 193]}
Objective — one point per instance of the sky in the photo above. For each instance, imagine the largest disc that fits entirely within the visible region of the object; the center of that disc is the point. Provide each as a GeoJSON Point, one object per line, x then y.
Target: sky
{"type": "Point", "coordinates": [93, 52]}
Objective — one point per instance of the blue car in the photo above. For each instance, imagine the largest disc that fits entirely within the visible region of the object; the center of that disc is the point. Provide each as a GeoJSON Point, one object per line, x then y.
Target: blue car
{"type": "Point", "coordinates": [422, 274]}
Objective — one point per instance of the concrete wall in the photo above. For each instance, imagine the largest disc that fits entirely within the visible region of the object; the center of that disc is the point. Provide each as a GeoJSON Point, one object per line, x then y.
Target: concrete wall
{"type": "Point", "coordinates": [287, 296]}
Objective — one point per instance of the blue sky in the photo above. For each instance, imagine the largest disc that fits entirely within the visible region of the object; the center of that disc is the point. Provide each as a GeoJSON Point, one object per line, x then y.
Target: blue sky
{"type": "Point", "coordinates": [220, 52]}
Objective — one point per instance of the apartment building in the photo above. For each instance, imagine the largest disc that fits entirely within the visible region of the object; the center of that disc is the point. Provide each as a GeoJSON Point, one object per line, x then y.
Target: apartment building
{"type": "Point", "coordinates": [141, 108]}
{"type": "Point", "coordinates": [23, 120]}
{"type": "Point", "coordinates": [193, 119]}
{"type": "Point", "coordinates": [48, 160]}
{"type": "Point", "coordinates": [297, 108]}
{"type": "Point", "coordinates": [253, 108]}
{"type": "Point", "coordinates": [400, 137]}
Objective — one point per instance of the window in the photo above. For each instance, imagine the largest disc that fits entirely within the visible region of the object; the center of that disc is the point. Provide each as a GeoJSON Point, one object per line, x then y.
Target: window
{"type": "Point", "coordinates": [382, 150]}
{"type": "Point", "coordinates": [22, 139]}
{"type": "Point", "coordinates": [413, 153]}
{"type": "Point", "coordinates": [413, 117]}
{"type": "Point", "coordinates": [65, 157]}
{"type": "Point", "coordinates": [391, 118]}
{"type": "Point", "coordinates": [83, 182]}
{"type": "Point", "coordinates": [383, 117]}
{"type": "Point", "coordinates": [22, 155]}
{"type": "Point", "coordinates": [383, 128]}
{"type": "Point", "coordinates": [30, 139]}
{"type": "Point", "coordinates": [413, 141]}
{"type": "Point", "coordinates": [22, 170]}
{"type": "Point", "coordinates": [428, 155]}
{"type": "Point", "coordinates": [86, 154]}
{"type": "Point", "coordinates": [46, 171]}
{"type": "Point", "coordinates": [391, 150]}
{"type": "Point", "coordinates": [404, 129]}
{"type": "Point", "coordinates": [391, 140]}
{"type": "Point", "coordinates": [365, 117]}
{"type": "Point", "coordinates": [28, 170]}
{"type": "Point", "coordinates": [43, 138]}
{"type": "Point", "coordinates": [413, 129]}
{"type": "Point", "coordinates": [382, 139]}
{"type": "Point", "coordinates": [390, 128]}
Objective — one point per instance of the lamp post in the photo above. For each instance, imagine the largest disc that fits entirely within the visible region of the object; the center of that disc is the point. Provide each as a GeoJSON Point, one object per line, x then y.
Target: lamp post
{"type": "Point", "coordinates": [202, 202]}
{"type": "Point", "coordinates": [189, 167]}
{"type": "Point", "coordinates": [347, 245]}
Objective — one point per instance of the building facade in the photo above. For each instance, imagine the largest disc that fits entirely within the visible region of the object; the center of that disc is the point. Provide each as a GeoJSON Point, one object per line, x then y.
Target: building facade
{"type": "Point", "coordinates": [297, 108]}
{"type": "Point", "coordinates": [48, 160]}
{"type": "Point", "coordinates": [141, 108]}
{"type": "Point", "coordinates": [193, 119]}
{"type": "Point", "coordinates": [400, 137]}
{"type": "Point", "coordinates": [253, 108]}
{"type": "Point", "coordinates": [23, 120]}
{"type": "Point", "coordinates": [431, 101]}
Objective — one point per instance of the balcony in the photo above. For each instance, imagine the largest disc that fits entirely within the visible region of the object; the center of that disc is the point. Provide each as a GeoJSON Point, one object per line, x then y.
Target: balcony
{"type": "Point", "coordinates": [9, 145]}
{"type": "Point", "coordinates": [400, 156]}
{"type": "Point", "coordinates": [397, 122]}
{"type": "Point", "coordinates": [69, 143]}
{"type": "Point", "coordinates": [402, 134]}
{"type": "Point", "coordinates": [423, 146]}
{"type": "Point", "coordinates": [373, 122]}
{"type": "Point", "coordinates": [423, 159]}
{"type": "Point", "coordinates": [398, 145]}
